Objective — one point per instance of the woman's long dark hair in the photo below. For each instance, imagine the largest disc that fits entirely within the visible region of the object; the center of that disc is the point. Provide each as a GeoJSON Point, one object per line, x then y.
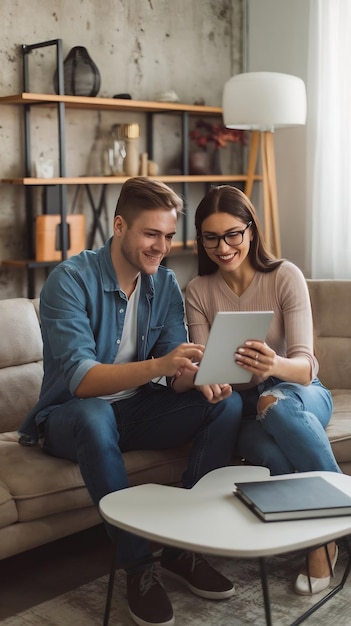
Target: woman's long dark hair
{"type": "Point", "coordinates": [228, 199]}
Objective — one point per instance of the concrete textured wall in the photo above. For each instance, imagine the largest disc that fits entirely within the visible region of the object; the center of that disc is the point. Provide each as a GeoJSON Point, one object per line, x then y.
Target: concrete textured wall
{"type": "Point", "coordinates": [141, 47]}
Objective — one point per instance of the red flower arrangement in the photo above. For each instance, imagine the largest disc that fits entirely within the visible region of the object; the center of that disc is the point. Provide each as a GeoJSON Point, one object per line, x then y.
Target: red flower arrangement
{"type": "Point", "coordinates": [205, 133]}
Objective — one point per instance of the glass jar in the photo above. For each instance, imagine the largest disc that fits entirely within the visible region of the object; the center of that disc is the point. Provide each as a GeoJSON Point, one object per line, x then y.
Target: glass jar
{"type": "Point", "coordinates": [131, 134]}
{"type": "Point", "coordinates": [116, 152]}
{"type": "Point", "coordinates": [113, 153]}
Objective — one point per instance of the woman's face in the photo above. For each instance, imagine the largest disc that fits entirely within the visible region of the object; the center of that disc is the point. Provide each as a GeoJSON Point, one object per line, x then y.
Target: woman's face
{"type": "Point", "coordinates": [227, 256]}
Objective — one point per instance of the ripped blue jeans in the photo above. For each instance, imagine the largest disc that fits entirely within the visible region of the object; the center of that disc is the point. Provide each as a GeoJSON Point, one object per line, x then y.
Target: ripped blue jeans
{"type": "Point", "coordinates": [289, 434]}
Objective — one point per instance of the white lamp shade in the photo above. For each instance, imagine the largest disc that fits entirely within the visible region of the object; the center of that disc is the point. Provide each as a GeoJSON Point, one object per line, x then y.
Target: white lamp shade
{"type": "Point", "coordinates": [264, 101]}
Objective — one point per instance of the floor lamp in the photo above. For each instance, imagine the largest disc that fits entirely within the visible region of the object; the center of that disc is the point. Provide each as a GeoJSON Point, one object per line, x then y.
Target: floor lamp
{"type": "Point", "coordinates": [261, 102]}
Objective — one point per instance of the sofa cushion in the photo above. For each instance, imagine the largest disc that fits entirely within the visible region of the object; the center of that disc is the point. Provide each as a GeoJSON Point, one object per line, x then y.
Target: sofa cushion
{"type": "Point", "coordinates": [8, 511]}
{"type": "Point", "coordinates": [21, 370]}
{"type": "Point", "coordinates": [47, 485]}
{"type": "Point", "coordinates": [339, 428]}
{"type": "Point", "coordinates": [333, 354]}
{"type": "Point", "coordinates": [20, 338]}
{"type": "Point", "coordinates": [330, 300]}
{"type": "Point", "coordinates": [40, 485]}
{"type": "Point", "coordinates": [20, 387]}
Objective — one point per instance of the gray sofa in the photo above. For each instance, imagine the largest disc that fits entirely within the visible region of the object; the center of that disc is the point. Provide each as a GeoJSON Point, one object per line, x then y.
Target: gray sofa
{"type": "Point", "coordinates": [44, 498]}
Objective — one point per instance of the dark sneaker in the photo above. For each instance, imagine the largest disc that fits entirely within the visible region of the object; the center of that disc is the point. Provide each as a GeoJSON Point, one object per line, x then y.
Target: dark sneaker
{"type": "Point", "coordinates": [198, 575]}
{"type": "Point", "coordinates": [148, 602]}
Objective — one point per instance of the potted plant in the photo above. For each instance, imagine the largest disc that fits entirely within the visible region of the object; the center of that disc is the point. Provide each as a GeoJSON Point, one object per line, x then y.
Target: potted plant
{"type": "Point", "coordinates": [216, 136]}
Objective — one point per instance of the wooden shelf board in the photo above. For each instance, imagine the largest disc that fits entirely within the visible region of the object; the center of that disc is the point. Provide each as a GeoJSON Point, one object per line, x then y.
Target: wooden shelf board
{"type": "Point", "coordinates": [119, 180]}
{"type": "Point", "coordinates": [112, 104]}
{"type": "Point", "coordinates": [177, 249]}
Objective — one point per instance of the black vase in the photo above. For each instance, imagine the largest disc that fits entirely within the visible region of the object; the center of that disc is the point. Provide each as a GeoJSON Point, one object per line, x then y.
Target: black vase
{"type": "Point", "coordinates": [81, 75]}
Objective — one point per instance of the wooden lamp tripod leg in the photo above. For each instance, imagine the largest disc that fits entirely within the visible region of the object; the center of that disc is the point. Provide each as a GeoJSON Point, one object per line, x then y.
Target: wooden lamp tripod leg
{"type": "Point", "coordinates": [272, 181]}
{"type": "Point", "coordinates": [270, 198]}
{"type": "Point", "coordinates": [252, 162]}
{"type": "Point", "coordinates": [266, 191]}
{"type": "Point", "coordinates": [269, 179]}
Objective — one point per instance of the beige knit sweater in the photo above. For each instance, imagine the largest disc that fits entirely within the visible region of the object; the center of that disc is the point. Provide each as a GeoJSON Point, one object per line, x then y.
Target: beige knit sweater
{"type": "Point", "coordinates": [283, 291]}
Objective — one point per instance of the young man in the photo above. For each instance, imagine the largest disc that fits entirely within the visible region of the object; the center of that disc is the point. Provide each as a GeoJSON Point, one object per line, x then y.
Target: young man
{"type": "Point", "coordinates": [113, 324]}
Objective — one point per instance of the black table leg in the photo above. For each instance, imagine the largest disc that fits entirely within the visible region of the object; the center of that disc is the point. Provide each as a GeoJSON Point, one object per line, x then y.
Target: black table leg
{"type": "Point", "coordinates": [111, 580]}
{"type": "Point", "coordinates": [265, 591]}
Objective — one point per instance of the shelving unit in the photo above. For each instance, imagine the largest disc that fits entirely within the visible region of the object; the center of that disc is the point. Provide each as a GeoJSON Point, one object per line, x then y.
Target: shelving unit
{"type": "Point", "coordinates": [61, 102]}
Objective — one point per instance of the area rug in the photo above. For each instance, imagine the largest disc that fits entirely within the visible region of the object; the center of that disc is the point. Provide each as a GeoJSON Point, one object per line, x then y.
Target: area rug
{"type": "Point", "coordinates": [85, 606]}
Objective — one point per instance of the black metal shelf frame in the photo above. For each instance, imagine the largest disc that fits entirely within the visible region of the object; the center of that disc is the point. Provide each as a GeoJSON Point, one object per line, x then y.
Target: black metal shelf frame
{"type": "Point", "coordinates": [96, 206]}
{"type": "Point", "coordinates": [26, 50]}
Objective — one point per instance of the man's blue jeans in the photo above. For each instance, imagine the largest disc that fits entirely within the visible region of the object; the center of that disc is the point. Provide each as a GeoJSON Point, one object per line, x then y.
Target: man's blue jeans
{"type": "Point", "coordinates": [290, 434]}
{"type": "Point", "coordinates": [94, 433]}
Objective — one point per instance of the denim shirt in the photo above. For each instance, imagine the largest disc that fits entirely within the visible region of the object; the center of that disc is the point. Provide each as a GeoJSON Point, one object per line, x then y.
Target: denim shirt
{"type": "Point", "coordinates": [82, 311]}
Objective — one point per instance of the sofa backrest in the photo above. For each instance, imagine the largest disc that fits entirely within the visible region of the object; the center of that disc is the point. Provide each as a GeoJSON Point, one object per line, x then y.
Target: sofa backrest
{"type": "Point", "coordinates": [331, 307]}
{"type": "Point", "coordinates": [21, 368]}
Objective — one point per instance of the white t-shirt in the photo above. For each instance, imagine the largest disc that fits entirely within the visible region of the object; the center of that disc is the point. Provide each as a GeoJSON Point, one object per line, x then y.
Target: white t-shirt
{"type": "Point", "coordinates": [127, 351]}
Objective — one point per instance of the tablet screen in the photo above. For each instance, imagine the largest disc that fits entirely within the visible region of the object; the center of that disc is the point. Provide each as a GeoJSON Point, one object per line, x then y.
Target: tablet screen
{"type": "Point", "coordinates": [228, 331]}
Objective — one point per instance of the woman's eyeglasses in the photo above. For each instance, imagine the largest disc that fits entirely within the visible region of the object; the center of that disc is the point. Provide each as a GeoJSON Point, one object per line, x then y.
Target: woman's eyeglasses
{"type": "Point", "coordinates": [233, 238]}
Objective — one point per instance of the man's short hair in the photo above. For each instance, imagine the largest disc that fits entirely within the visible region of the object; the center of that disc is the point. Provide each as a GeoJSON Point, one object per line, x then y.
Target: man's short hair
{"type": "Point", "coordinates": [139, 194]}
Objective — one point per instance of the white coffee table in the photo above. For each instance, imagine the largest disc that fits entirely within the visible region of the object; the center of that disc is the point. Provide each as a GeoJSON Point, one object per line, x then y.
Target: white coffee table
{"type": "Point", "coordinates": [208, 518]}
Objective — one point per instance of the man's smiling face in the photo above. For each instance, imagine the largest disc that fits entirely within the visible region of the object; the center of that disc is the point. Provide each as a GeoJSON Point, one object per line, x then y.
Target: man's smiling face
{"type": "Point", "coordinates": [148, 239]}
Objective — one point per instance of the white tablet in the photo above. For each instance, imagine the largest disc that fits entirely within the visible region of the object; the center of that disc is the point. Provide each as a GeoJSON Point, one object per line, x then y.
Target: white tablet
{"type": "Point", "coordinates": [229, 331]}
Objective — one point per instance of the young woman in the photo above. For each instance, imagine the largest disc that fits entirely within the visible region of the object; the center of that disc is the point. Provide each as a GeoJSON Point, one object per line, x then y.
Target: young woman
{"type": "Point", "coordinates": [285, 407]}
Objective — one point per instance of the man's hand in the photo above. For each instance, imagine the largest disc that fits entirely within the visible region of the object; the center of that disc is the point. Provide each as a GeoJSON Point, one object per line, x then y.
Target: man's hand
{"type": "Point", "coordinates": [184, 381]}
{"type": "Point", "coordinates": [215, 393]}
{"type": "Point", "coordinates": [184, 357]}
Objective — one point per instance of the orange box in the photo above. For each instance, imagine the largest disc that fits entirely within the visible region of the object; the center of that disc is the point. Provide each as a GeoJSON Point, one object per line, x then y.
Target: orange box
{"type": "Point", "coordinates": [47, 245]}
